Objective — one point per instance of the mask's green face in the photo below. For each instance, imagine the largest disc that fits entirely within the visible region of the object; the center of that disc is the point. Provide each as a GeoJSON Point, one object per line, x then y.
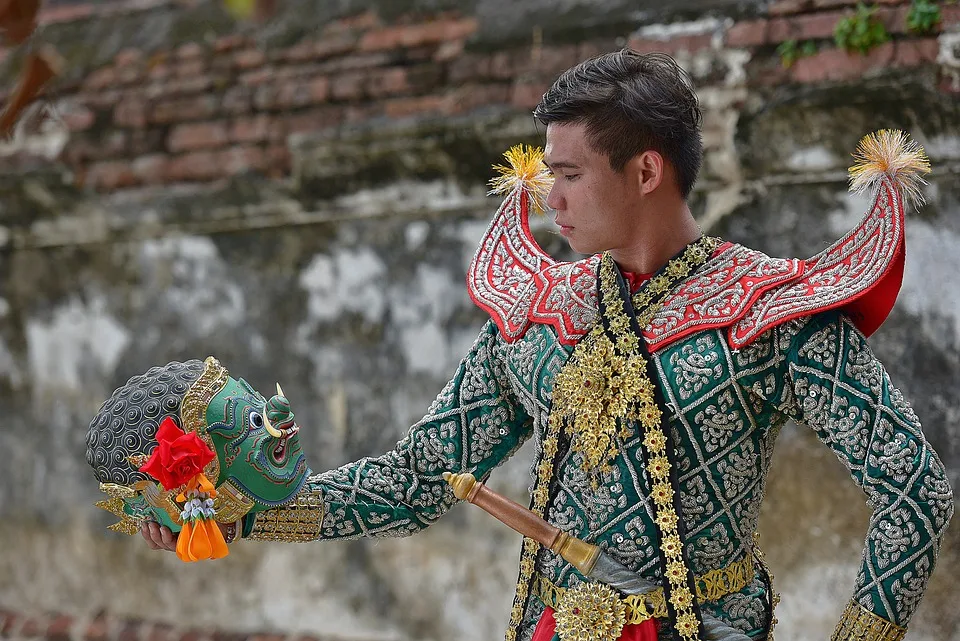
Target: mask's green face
{"type": "Point", "coordinates": [256, 444]}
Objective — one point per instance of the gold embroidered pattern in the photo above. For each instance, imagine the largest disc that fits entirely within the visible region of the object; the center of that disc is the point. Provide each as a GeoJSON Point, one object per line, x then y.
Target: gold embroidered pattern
{"type": "Point", "coordinates": [595, 437]}
{"type": "Point", "coordinates": [528, 556]}
{"type": "Point", "coordinates": [603, 382]}
{"type": "Point", "coordinates": [591, 393]}
{"type": "Point", "coordinates": [231, 504]}
{"type": "Point", "coordinates": [590, 612]}
{"type": "Point", "coordinates": [644, 410]}
{"type": "Point", "coordinates": [860, 624]}
{"type": "Point", "coordinates": [295, 522]}
{"type": "Point", "coordinates": [127, 524]}
{"type": "Point", "coordinates": [193, 409]}
{"type": "Point", "coordinates": [117, 491]}
{"type": "Point", "coordinates": [711, 586]}
{"type": "Point", "coordinates": [637, 609]}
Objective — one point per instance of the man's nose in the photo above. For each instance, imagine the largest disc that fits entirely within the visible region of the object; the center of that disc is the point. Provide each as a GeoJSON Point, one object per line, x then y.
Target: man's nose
{"type": "Point", "coordinates": [554, 199]}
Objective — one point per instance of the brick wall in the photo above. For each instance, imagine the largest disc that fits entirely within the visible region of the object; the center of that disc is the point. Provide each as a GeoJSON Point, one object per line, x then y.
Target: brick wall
{"type": "Point", "coordinates": [200, 111]}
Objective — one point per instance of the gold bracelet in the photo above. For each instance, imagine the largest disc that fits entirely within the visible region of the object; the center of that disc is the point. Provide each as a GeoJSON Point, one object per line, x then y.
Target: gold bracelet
{"type": "Point", "coordinates": [297, 521]}
{"type": "Point", "coordinates": [860, 624]}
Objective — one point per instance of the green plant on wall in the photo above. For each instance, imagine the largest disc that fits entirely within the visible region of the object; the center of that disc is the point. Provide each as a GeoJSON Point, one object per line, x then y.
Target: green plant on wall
{"type": "Point", "coordinates": [790, 51]}
{"type": "Point", "coordinates": [861, 31]}
{"type": "Point", "coordinates": [923, 16]}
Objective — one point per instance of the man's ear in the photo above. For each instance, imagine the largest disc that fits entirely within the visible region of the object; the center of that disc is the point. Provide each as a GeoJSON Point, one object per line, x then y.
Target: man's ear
{"type": "Point", "coordinates": [648, 168]}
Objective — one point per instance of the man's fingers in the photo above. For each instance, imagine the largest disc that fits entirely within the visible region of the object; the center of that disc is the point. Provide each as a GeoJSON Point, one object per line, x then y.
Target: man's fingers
{"type": "Point", "coordinates": [168, 539]}
{"type": "Point", "coordinates": [148, 536]}
{"type": "Point", "coordinates": [158, 537]}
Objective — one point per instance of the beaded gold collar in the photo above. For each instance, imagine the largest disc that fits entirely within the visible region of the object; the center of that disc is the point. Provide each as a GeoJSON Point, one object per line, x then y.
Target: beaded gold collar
{"type": "Point", "coordinates": [603, 389]}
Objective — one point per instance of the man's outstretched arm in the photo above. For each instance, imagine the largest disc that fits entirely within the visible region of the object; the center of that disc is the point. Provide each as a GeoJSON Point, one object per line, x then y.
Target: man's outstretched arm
{"type": "Point", "coordinates": [475, 423]}
{"type": "Point", "coordinates": [840, 389]}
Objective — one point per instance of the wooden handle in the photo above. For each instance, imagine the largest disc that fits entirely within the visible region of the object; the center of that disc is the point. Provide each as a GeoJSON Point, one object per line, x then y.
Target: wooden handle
{"type": "Point", "coordinates": [581, 554]}
{"type": "Point", "coordinates": [18, 19]}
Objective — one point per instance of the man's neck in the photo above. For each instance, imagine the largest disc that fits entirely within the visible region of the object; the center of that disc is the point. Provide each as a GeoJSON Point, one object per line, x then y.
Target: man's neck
{"type": "Point", "coordinates": [659, 245]}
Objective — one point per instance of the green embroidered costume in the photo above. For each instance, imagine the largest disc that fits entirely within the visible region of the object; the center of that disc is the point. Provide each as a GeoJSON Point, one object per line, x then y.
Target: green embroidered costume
{"type": "Point", "coordinates": [738, 346]}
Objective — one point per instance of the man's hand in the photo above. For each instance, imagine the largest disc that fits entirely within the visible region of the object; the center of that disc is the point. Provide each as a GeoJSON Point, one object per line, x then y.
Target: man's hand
{"type": "Point", "coordinates": [158, 537]}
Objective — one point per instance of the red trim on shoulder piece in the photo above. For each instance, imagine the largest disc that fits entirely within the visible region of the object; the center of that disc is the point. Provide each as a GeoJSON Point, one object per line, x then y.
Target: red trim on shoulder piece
{"type": "Point", "coordinates": [566, 298]}
{"type": "Point", "coordinates": [517, 283]}
{"type": "Point", "coordinates": [500, 278]}
{"type": "Point", "coordinates": [719, 293]}
{"type": "Point", "coordinates": [861, 274]}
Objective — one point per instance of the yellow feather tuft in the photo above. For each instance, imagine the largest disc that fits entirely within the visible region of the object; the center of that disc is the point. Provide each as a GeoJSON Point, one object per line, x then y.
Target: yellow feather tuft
{"type": "Point", "coordinates": [526, 171]}
{"type": "Point", "coordinates": [890, 152]}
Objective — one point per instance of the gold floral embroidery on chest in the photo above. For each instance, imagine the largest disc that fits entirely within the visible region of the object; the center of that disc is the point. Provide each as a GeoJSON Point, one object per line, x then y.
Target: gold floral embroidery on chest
{"type": "Point", "coordinates": [604, 388]}
{"type": "Point", "coordinates": [592, 392]}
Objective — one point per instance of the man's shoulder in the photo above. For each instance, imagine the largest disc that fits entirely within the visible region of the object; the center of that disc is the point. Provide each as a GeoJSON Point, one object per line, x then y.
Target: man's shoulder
{"type": "Point", "coordinates": [721, 293]}
{"type": "Point", "coordinates": [519, 288]}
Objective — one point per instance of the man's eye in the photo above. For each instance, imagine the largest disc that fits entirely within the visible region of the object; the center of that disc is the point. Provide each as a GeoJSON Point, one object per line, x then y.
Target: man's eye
{"type": "Point", "coordinates": [572, 177]}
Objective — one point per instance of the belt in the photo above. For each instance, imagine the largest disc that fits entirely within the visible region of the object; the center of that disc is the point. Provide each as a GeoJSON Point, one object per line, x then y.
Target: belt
{"type": "Point", "coordinates": [710, 586]}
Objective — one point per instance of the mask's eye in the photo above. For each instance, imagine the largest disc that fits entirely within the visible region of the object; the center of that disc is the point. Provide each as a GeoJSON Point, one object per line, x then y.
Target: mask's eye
{"type": "Point", "coordinates": [255, 419]}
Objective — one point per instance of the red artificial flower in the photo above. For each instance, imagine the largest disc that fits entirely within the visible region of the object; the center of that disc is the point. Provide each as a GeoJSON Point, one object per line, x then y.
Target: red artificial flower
{"type": "Point", "coordinates": [178, 456]}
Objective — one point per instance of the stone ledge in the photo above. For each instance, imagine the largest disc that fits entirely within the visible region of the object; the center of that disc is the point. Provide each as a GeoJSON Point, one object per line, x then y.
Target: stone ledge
{"type": "Point", "coordinates": [102, 626]}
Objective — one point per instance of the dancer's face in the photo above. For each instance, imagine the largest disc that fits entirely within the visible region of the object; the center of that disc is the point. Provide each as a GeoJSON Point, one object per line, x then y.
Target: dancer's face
{"type": "Point", "coordinates": [597, 208]}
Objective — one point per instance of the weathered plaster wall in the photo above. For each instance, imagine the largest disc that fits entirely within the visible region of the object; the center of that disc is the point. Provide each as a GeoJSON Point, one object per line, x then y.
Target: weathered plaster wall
{"type": "Point", "coordinates": [196, 198]}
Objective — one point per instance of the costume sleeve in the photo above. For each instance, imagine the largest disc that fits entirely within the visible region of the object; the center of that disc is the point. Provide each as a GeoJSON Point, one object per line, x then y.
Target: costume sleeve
{"type": "Point", "coordinates": [837, 386]}
{"type": "Point", "coordinates": [473, 425]}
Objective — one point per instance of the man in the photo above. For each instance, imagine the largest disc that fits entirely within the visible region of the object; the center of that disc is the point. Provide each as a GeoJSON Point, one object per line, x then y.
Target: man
{"type": "Point", "coordinates": [654, 377]}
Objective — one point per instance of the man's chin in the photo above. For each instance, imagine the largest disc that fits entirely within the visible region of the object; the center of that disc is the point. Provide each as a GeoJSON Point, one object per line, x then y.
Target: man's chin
{"type": "Point", "coordinates": [582, 248]}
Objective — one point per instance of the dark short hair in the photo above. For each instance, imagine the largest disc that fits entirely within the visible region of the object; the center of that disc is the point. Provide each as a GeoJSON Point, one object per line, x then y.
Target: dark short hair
{"type": "Point", "coordinates": [631, 103]}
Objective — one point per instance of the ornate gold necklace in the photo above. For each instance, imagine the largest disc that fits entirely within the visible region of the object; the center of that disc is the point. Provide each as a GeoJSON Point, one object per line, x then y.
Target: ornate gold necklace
{"type": "Point", "coordinates": [604, 387]}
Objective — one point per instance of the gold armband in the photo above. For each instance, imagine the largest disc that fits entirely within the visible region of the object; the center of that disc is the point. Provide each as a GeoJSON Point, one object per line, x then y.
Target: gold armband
{"type": "Point", "coordinates": [860, 624]}
{"type": "Point", "coordinates": [298, 521]}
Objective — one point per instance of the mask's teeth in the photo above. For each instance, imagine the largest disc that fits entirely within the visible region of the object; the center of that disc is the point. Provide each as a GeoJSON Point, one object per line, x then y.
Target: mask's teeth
{"type": "Point", "coordinates": [280, 451]}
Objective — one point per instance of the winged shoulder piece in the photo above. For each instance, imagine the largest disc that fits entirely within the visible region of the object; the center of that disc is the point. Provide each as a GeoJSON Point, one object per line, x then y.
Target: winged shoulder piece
{"type": "Point", "coordinates": [739, 289]}
{"type": "Point", "coordinates": [862, 272]}
{"type": "Point", "coordinates": [512, 278]}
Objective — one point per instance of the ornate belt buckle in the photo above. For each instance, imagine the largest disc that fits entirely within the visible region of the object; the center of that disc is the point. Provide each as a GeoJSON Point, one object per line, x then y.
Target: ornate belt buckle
{"type": "Point", "coordinates": [590, 612]}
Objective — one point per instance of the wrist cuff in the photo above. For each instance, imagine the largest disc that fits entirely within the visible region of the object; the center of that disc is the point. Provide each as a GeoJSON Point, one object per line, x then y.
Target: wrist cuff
{"type": "Point", "coordinates": [860, 624]}
{"type": "Point", "coordinates": [299, 520]}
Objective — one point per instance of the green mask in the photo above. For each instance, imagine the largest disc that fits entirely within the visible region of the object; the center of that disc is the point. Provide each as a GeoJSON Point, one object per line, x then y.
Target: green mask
{"type": "Point", "coordinates": [258, 464]}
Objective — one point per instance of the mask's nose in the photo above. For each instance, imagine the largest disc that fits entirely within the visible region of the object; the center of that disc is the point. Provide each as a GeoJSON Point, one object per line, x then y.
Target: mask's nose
{"type": "Point", "coordinates": [278, 418]}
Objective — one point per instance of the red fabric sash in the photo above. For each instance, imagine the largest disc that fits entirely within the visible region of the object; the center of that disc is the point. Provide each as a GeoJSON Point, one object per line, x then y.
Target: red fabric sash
{"type": "Point", "coordinates": [547, 627]}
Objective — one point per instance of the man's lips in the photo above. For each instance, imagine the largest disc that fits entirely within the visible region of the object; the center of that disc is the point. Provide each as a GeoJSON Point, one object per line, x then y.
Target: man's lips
{"type": "Point", "coordinates": [564, 229]}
